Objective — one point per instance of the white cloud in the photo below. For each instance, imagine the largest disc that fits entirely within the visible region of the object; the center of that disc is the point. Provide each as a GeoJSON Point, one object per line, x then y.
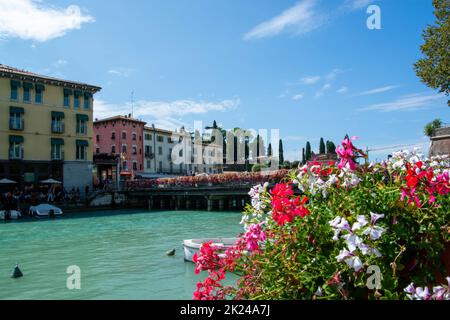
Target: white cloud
{"type": "Point", "coordinates": [60, 63]}
{"type": "Point", "coordinates": [166, 114]}
{"type": "Point", "coordinates": [342, 90]}
{"type": "Point", "coordinates": [298, 97]}
{"type": "Point", "coordinates": [377, 90]}
{"type": "Point", "coordinates": [321, 92]}
{"type": "Point", "coordinates": [32, 20]}
{"type": "Point", "coordinates": [299, 19]}
{"type": "Point", "coordinates": [357, 4]}
{"type": "Point", "coordinates": [405, 103]}
{"type": "Point", "coordinates": [310, 80]}
{"type": "Point", "coordinates": [122, 72]}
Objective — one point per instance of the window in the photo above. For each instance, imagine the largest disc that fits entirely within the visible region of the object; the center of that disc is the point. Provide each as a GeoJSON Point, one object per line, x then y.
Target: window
{"type": "Point", "coordinates": [160, 166]}
{"type": "Point", "coordinates": [124, 166]}
{"type": "Point", "coordinates": [57, 152]}
{"type": "Point", "coordinates": [160, 150]}
{"type": "Point", "coordinates": [113, 149]}
{"type": "Point", "coordinates": [82, 124]}
{"type": "Point", "coordinates": [76, 99]}
{"type": "Point", "coordinates": [15, 89]}
{"type": "Point", "coordinates": [148, 136]}
{"type": "Point", "coordinates": [67, 94]}
{"type": "Point", "coordinates": [134, 136]}
{"type": "Point", "coordinates": [113, 135]}
{"type": "Point", "coordinates": [38, 93]}
{"type": "Point", "coordinates": [148, 151]}
{"type": "Point", "coordinates": [160, 139]}
{"type": "Point", "coordinates": [57, 122]}
{"type": "Point", "coordinates": [124, 148]}
{"type": "Point", "coordinates": [16, 147]}
{"type": "Point", "coordinates": [81, 153]}
{"type": "Point", "coordinates": [26, 94]}
{"type": "Point", "coordinates": [16, 121]}
{"type": "Point", "coordinates": [149, 164]}
{"type": "Point", "coordinates": [181, 167]}
{"type": "Point", "coordinates": [124, 135]}
{"type": "Point", "coordinates": [134, 150]}
{"type": "Point", "coordinates": [87, 100]}
{"type": "Point", "coordinates": [169, 140]}
{"type": "Point", "coordinates": [134, 165]}
{"type": "Point", "coordinates": [97, 150]}
{"type": "Point", "coordinates": [97, 138]}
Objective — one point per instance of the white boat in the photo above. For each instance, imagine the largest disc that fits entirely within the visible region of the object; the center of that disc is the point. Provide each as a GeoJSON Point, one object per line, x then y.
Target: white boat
{"type": "Point", "coordinates": [45, 210]}
{"type": "Point", "coordinates": [13, 214]}
{"type": "Point", "coordinates": [192, 246]}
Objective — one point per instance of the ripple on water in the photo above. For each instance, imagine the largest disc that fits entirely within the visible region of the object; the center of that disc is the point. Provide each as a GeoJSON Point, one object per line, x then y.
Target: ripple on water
{"type": "Point", "coordinates": [121, 254]}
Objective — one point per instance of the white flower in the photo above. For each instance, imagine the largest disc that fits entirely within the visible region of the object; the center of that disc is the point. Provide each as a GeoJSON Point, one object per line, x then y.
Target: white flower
{"type": "Point", "coordinates": [361, 222]}
{"type": "Point", "coordinates": [319, 292]}
{"type": "Point", "coordinates": [343, 254]}
{"type": "Point", "coordinates": [374, 232]}
{"type": "Point", "coordinates": [353, 241]}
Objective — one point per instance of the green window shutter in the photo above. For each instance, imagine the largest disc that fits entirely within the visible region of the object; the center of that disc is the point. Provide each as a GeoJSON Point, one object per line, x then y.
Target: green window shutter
{"type": "Point", "coordinates": [39, 87]}
{"type": "Point", "coordinates": [57, 114]}
{"type": "Point", "coordinates": [82, 143]}
{"type": "Point", "coordinates": [68, 91]}
{"type": "Point", "coordinates": [16, 110]}
{"type": "Point", "coordinates": [87, 95]}
{"type": "Point", "coordinates": [27, 85]}
{"type": "Point", "coordinates": [15, 83]}
{"type": "Point", "coordinates": [57, 141]}
{"type": "Point", "coordinates": [77, 93]}
{"type": "Point", "coordinates": [15, 139]}
{"type": "Point", "coordinates": [82, 117]}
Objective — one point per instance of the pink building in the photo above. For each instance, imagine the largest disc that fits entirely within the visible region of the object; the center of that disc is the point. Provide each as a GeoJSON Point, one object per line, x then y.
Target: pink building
{"type": "Point", "coordinates": [122, 136]}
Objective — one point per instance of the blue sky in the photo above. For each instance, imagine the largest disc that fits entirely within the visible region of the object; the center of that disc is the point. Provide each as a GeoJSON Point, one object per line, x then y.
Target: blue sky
{"type": "Point", "coordinates": [310, 68]}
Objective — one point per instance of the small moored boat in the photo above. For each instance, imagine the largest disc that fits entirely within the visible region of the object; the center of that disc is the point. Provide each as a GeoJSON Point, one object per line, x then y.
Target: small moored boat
{"type": "Point", "coordinates": [192, 246]}
{"type": "Point", "coordinates": [45, 210]}
{"type": "Point", "coordinates": [10, 215]}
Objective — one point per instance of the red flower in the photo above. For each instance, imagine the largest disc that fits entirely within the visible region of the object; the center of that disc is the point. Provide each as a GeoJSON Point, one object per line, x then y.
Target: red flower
{"type": "Point", "coordinates": [285, 207]}
{"type": "Point", "coordinates": [208, 259]}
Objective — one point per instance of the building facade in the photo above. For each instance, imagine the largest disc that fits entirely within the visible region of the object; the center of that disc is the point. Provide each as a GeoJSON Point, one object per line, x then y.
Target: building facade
{"type": "Point", "coordinates": [45, 129]}
{"type": "Point", "coordinates": [122, 136]}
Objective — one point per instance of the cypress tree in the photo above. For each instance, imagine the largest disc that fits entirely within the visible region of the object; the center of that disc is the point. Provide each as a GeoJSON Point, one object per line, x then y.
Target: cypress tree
{"type": "Point", "coordinates": [321, 146]}
{"type": "Point", "coordinates": [308, 151]}
{"type": "Point", "coordinates": [281, 152]}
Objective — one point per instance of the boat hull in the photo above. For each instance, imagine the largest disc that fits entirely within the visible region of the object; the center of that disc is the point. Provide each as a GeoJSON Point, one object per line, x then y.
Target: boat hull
{"type": "Point", "coordinates": [192, 246]}
{"type": "Point", "coordinates": [13, 214]}
{"type": "Point", "coordinates": [45, 211]}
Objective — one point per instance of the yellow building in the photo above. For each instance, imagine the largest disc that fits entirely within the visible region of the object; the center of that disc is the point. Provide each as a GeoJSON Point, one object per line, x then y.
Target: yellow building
{"type": "Point", "coordinates": [45, 129]}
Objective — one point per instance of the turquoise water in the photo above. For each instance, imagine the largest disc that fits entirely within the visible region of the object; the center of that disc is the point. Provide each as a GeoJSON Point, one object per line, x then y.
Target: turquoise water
{"type": "Point", "coordinates": [121, 254]}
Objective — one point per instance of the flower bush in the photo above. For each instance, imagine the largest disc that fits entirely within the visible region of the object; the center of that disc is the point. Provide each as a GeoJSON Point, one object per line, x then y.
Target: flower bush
{"type": "Point", "coordinates": [342, 231]}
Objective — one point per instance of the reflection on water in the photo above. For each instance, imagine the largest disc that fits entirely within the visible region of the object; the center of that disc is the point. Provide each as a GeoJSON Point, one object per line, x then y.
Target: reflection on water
{"type": "Point", "coordinates": [122, 255]}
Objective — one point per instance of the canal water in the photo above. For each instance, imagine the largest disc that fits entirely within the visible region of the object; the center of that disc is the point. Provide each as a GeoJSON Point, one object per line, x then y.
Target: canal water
{"type": "Point", "coordinates": [122, 255]}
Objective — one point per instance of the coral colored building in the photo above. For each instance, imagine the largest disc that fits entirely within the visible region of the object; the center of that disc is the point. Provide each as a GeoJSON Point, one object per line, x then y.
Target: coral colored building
{"type": "Point", "coordinates": [122, 136]}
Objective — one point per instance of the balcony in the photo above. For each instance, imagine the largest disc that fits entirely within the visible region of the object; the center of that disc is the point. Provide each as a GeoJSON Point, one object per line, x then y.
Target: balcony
{"type": "Point", "coordinates": [58, 157]}
{"type": "Point", "coordinates": [15, 124]}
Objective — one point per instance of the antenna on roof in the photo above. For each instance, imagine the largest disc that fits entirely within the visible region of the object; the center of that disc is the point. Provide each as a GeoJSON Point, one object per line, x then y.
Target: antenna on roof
{"type": "Point", "coordinates": [132, 102]}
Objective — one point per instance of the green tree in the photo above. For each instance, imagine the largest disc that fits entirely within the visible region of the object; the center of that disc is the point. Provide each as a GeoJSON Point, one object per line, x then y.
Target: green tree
{"type": "Point", "coordinates": [269, 150]}
{"type": "Point", "coordinates": [281, 152]}
{"type": "Point", "coordinates": [331, 147]}
{"type": "Point", "coordinates": [432, 126]}
{"type": "Point", "coordinates": [308, 151]}
{"type": "Point", "coordinates": [434, 68]}
{"type": "Point", "coordinates": [303, 156]}
{"type": "Point", "coordinates": [321, 146]}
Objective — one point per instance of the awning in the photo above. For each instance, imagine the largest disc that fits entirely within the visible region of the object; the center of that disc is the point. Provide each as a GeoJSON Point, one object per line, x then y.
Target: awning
{"type": "Point", "coordinates": [68, 91]}
{"type": "Point", "coordinates": [82, 143]}
{"type": "Point", "coordinates": [82, 117]}
{"type": "Point", "coordinates": [16, 110]}
{"type": "Point", "coordinates": [57, 141]}
{"type": "Point", "coordinates": [15, 139]}
{"type": "Point", "coordinates": [15, 83]}
{"type": "Point", "coordinates": [27, 85]}
{"type": "Point", "coordinates": [57, 114]}
{"type": "Point", "coordinates": [126, 173]}
{"type": "Point", "coordinates": [77, 93]}
{"type": "Point", "coordinates": [39, 87]}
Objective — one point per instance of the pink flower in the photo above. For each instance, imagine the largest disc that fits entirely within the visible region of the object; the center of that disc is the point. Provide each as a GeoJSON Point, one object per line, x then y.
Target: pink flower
{"type": "Point", "coordinates": [254, 235]}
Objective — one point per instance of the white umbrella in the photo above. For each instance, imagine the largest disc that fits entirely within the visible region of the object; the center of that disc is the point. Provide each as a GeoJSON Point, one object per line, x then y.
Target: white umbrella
{"type": "Point", "coordinates": [7, 181]}
{"type": "Point", "coordinates": [50, 181]}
